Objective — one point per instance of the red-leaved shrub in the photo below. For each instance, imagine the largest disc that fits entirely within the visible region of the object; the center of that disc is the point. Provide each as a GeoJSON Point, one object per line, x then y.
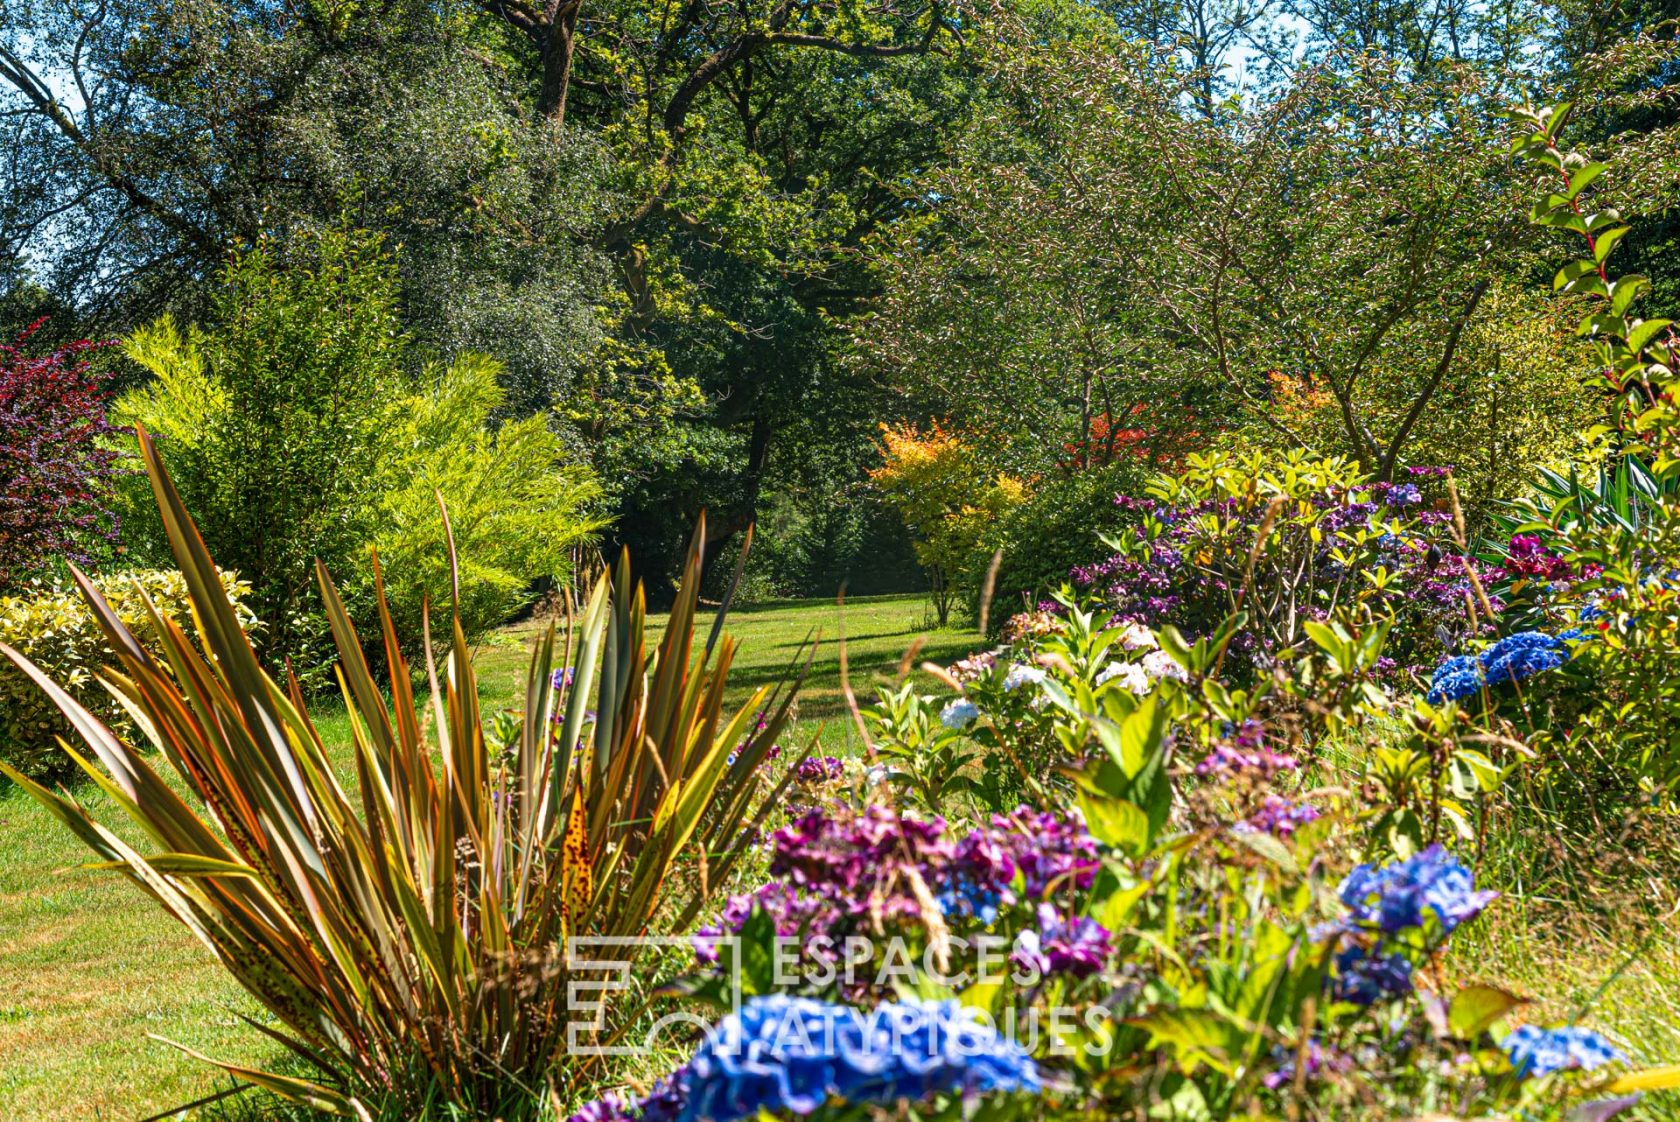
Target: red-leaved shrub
{"type": "Point", "coordinates": [55, 463]}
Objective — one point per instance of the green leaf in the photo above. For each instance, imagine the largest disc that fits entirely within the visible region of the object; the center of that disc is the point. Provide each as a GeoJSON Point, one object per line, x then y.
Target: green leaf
{"type": "Point", "coordinates": [1141, 736]}
{"type": "Point", "coordinates": [1116, 822]}
{"type": "Point", "coordinates": [982, 995]}
{"type": "Point", "coordinates": [1476, 1008]}
{"type": "Point", "coordinates": [1606, 240]}
{"type": "Point", "coordinates": [1114, 912]}
{"type": "Point", "coordinates": [1584, 176]}
{"type": "Point", "coordinates": [1266, 846]}
{"type": "Point", "coordinates": [1644, 332]}
{"type": "Point", "coordinates": [1573, 272]}
{"type": "Point", "coordinates": [1625, 291]}
{"type": "Point", "coordinates": [1195, 1036]}
{"type": "Point", "coordinates": [1559, 219]}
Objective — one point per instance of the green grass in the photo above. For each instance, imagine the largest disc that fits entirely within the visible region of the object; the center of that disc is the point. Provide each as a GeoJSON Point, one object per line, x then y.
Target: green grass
{"type": "Point", "coordinates": [89, 967]}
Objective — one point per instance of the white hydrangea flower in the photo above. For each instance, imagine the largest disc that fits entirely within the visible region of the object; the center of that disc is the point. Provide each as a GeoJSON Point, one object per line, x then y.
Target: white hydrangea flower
{"type": "Point", "coordinates": [1160, 664]}
{"type": "Point", "coordinates": [1022, 674]}
{"type": "Point", "coordinates": [1137, 637]}
{"type": "Point", "coordinates": [1130, 674]}
{"type": "Point", "coordinates": [959, 713]}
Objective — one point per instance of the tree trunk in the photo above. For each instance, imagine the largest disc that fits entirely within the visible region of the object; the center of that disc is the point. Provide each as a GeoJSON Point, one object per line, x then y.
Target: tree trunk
{"type": "Point", "coordinates": [722, 528]}
{"type": "Point", "coordinates": [557, 62]}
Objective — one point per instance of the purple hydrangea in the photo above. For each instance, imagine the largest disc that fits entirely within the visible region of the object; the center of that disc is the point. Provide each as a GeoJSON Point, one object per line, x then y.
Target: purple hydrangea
{"type": "Point", "coordinates": [818, 769]}
{"type": "Point", "coordinates": [859, 861]}
{"type": "Point", "coordinates": [795, 914]}
{"type": "Point", "coordinates": [1244, 752]}
{"type": "Point", "coordinates": [1077, 947]}
{"type": "Point", "coordinates": [1535, 1052]}
{"type": "Point", "coordinates": [1319, 1059]}
{"type": "Point", "coordinates": [1402, 895]}
{"type": "Point", "coordinates": [1279, 817]}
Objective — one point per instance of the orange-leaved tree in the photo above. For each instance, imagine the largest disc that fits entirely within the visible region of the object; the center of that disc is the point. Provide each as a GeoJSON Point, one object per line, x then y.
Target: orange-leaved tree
{"type": "Point", "coordinates": [951, 502]}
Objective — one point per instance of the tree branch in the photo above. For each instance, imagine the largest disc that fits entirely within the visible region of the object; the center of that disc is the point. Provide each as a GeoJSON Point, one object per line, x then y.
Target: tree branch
{"type": "Point", "coordinates": [15, 71]}
{"type": "Point", "coordinates": [1390, 457]}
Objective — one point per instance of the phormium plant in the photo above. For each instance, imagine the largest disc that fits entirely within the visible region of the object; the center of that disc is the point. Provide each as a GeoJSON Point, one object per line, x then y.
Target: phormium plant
{"type": "Point", "coordinates": [409, 937]}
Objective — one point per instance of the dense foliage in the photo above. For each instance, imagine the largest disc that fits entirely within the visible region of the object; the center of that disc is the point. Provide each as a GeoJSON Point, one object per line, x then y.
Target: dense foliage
{"type": "Point", "coordinates": [298, 435]}
{"type": "Point", "coordinates": [56, 468]}
{"type": "Point", "coordinates": [56, 630]}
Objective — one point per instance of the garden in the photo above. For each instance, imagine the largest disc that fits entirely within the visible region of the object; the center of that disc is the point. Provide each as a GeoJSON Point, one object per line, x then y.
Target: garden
{"type": "Point", "coordinates": [839, 561]}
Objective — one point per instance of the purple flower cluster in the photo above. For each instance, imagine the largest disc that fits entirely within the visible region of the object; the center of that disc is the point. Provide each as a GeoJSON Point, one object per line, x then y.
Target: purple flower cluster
{"type": "Point", "coordinates": [1024, 855]}
{"type": "Point", "coordinates": [861, 862]}
{"type": "Point", "coordinates": [818, 769]}
{"type": "Point", "coordinates": [1528, 557]}
{"type": "Point", "coordinates": [1279, 817]}
{"type": "Point", "coordinates": [1077, 947]}
{"type": "Point", "coordinates": [1244, 753]}
{"type": "Point", "coordinates": [838, 870]}
{"type": "Point", "coordinates": [1183, 574]}
{"type": "Point", "coordinates": [796, 914]}
{"type": "Point", "coordinates": [1319, 1060]}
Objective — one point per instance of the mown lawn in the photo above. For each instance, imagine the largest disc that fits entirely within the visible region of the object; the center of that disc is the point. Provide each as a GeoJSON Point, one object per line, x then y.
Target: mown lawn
{"type": "Point", "coordinates": [89, 967]}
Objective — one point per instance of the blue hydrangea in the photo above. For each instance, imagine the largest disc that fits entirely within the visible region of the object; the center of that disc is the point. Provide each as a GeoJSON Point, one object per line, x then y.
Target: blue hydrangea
{"type": "Point", "coordinates": [1576, 635]}
{"type": "Point", "coordinates": [789, 1054]}
{"type": "Point", "coordinates": [1365, 976]}
{"type": "Point", "coordinates": [1455, 679]}
{"type": "Point", "coordinates": [1401, 895]}
{"type": "Point", "coordinates": [1522, 655]}
{"type": "Point", "coordinates": [959, 713]}
{"type": "Point", "coordinates": [1536, 1052]}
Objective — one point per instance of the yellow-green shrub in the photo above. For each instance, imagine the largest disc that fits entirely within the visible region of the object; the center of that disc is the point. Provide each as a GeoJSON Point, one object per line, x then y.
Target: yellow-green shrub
{"type": "Point", "coordinates": [58, 633]}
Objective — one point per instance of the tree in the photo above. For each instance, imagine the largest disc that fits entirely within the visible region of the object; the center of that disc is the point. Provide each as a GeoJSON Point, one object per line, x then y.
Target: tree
{"type": "Point", "coordinates": [295, 435]}
{"type": "Point", "coordinates": [1185, 265]}
{"type": "Point", "coordinates": [275, 420]}
{"type": "Point", "coordinates": [149, 140]}
{"type": "Point", "coordinates": [938, 483]}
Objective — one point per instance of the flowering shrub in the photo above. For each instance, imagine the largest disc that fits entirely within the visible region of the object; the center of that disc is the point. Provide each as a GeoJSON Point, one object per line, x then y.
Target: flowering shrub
{"type": "Point", "coordinates": [877, 872]}
{"type": "Point", "coordinates": [56, 465]}
{"type": "Point", "coordinates": [1287, 544]}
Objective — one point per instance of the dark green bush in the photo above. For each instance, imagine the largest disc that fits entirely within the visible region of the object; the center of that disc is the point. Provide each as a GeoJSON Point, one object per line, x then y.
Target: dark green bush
{"type": "Point", "coordinates": [1057, 528]}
